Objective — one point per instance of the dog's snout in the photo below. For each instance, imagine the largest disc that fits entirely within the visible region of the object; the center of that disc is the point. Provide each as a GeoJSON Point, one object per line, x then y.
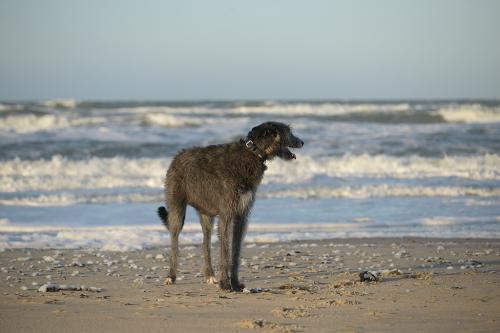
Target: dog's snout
{"type": "Point", "coordinates": [296, 142]}
{"type": "Point", "coordinates": [299, 143]}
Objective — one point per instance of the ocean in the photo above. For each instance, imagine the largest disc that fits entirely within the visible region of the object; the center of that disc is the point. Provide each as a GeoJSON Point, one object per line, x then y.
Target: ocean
{"type": "Point", "coordinates": [90, 174]}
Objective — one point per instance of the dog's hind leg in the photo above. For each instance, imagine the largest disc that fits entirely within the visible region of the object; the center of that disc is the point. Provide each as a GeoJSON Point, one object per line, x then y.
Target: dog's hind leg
{"type": "Point", "coordinates": [224, 226]}
{"type": "Point", "coordinates": [239, 226]}
{"type": "Point", "coordinates": [175, 223]}
{"type": "Point", "coordinates": [207, 225]}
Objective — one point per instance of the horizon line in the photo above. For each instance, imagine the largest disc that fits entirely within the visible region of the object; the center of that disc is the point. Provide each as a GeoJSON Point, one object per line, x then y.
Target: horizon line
{"type": "Point", "coordinates": [192, 100]}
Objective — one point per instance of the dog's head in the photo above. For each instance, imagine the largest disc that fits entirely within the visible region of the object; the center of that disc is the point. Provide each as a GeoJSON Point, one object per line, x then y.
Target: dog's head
{"type": "Point", "coordinates": [274, 139]}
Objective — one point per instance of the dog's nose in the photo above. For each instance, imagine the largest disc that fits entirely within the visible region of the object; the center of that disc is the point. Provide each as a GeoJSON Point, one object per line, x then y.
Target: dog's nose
{"type": "Point", "coordinates": [301, 143]}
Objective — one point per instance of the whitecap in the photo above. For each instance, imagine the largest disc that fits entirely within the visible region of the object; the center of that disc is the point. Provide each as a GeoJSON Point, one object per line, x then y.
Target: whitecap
{"type": "Point", "coordinates": [34, 123]}
{"type": "Point", "coordinates": [383, 190]}
{"type": "Point", "coordinates": [166, 120]}
{"type": "Point", "coordinates": [295, 109]}
{"type": "Point", "coordinates": [326, 109]}
{"type": "Point", "coordinates": [59, 173]}
{"type": "Point", "coordinates": [61, 103]}
{"type": "Point", "coordinates": [470, 113]}
{"type": "Point", "coordinates": [68, 199]}
{"type": "Point", "coordinates": [11, 107]}
{"type": "Point", "coordinates": [481, 167]}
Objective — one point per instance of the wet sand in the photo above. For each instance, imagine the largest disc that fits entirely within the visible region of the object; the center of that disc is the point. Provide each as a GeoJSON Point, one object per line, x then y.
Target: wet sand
{"type": "Point", "coordinates": [434, 285]}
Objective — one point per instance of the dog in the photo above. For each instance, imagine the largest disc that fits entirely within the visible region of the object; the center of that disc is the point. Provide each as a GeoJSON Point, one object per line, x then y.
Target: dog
{"type": "Point", "coordinates": [221, 180]}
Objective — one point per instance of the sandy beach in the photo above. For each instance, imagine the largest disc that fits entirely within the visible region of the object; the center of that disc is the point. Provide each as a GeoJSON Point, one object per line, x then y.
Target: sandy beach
{"type": "Point", "coordinates": [435, 285]}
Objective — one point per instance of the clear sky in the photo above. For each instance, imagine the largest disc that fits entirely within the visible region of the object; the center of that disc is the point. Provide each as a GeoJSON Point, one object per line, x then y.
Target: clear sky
{"type": "Point", "coordinates": [259, 49]}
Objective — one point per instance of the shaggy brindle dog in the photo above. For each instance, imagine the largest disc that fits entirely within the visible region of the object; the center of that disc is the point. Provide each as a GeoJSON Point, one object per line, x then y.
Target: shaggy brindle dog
{"type": "Point", "coordinates": [221, 180]}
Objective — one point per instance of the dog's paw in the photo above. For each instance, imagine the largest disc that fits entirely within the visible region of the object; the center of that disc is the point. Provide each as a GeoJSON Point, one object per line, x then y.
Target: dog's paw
{"type": "Point", "coordinates": [211, 280]}
{"type": "Point", "coordinates": [225, 285]}
{"type": "Point", "coordinates": [236, 286]}
{"type": "Point", "coordinates": [169, 280]}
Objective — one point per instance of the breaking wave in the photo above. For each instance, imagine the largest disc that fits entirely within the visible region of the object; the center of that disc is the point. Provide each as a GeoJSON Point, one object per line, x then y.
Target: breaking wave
{"type": "Point", "coordinates": [390, 113]}
{"type": "Point", "coordinates": [67, 199]}
{"type": "Point", "coordinates": [39, 119]}
{"type": "Point", "coordinates": [11, 107]}
{"type": "Point", "coordinates": [29, 123]}
{"type": "Point", "coordinates": [166, 120]}
{"type": "Point", "coordinates": [126, 195]}
{"type": "Point", "coordinates": [382, 166]}
{"type": "Point", "coordinates": [33, 123]}
{"type": "Point", "coordinates": [322, 109]}
{"type": "Point", "coordinates": [473, 113]}
{"type": "Point", "coordinates": [382, 190]}
{"type": "Point", "coordinates": [292, 109]}
{"type": "Point", "coordinates": [59, 173]}
{"type": "Point", "coordinates": [61, 103]}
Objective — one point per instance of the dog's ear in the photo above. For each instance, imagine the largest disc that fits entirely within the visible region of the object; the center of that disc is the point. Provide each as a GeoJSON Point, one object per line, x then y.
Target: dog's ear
{"type": "Point", "coordinates": [262, 131]}
{"type": "Point", "coordinates": [259, 131]}
{"type": "Point", "coordinates": [254, 133]}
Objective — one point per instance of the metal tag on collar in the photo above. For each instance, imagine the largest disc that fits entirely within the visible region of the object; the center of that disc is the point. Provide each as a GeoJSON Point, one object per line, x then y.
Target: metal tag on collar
{"type": "Point", "coordinates": [249, 144]}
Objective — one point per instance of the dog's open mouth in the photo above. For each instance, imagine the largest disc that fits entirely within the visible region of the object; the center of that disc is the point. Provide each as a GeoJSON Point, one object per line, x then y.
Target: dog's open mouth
{"type": "Point", "coordinates": [285, 152]}
{"type": "Point", "coordinates": [288, 155]}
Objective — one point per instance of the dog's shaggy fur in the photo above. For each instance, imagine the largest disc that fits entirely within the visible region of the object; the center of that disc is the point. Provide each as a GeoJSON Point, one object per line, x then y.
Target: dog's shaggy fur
{"type": "Point", "coordinates": [222, 180]}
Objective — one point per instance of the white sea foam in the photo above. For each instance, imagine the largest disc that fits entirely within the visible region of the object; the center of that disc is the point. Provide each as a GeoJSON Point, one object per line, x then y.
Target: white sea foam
{"type": "Point", "coordinates": [114, 239]}
{"type": "Point", "coordinates": [466, 113]}
{"type": "Point", "coordinates": [481, 167]}
{"type": "Point", "coordinates": [166, 120]}
{"type": "Point", "coordinates": [447, 221]}
{"type": "Point", "coordinates": [8, 227]}
{"type": "Point", "coordinates": [325, 109]}
{"type": "Point", "coordinates": [60, 173]}
{"type": "Point", "coordinates": [383, 190]}
{"type": "Point", "coordinates": [125, 238]}
{"type": "Point", "coordinates": [166, 110]}
{"type": "Point", "coordinates": [63, 103]}
{"type": "Point", "coordinates": [347, 192]}
{"type": "Point", "coordinates": [471, 113]}
{"type": "Point", "coordinates": [68, 199]}
{"type": "Point", "coordinates": [473, 201]}
{"type": "Point", "coordinates": [34, 123]}
{"type": "Point", "coordinates": [438, 221]}
{"type": "Point", "coordinates": [11, 107]}
{"type": "Point", "coordinates": [193, 116]}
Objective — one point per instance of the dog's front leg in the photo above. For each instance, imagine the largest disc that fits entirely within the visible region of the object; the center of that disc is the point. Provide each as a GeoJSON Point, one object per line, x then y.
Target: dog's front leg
{"type": "Point", "coordinates": [224, 225]}
{"type": "Point", "coordinates": [238, 233]}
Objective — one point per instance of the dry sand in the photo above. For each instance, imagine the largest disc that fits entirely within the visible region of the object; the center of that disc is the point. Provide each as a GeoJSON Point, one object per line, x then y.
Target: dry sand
{"type": "Point", "coordinates": [433, 285]}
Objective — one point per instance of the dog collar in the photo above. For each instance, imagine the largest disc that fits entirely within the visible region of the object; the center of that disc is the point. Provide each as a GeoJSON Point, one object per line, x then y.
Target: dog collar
{"type": "Point", "coordinates": [254, 149]}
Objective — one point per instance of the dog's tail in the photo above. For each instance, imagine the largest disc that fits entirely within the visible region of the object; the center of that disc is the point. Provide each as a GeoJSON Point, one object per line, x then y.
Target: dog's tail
{"type": "Point", "coordinates": [163, 214]}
